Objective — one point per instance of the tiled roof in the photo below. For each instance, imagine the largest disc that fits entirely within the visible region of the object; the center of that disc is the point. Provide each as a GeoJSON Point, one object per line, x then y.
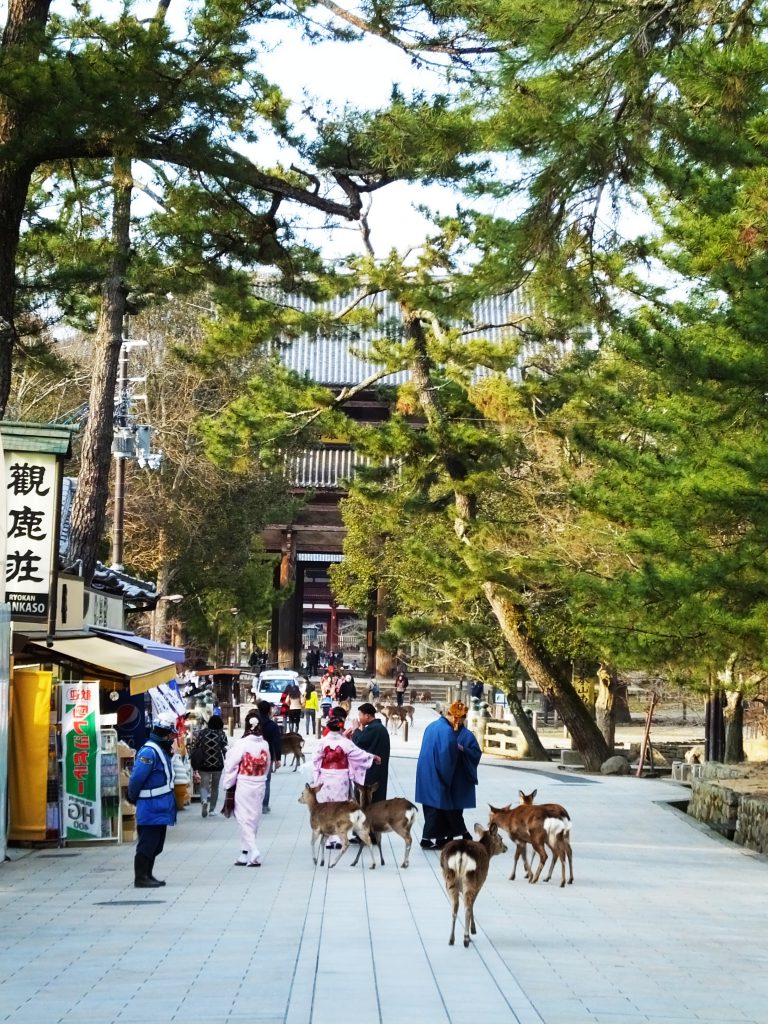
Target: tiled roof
{"type": "Point", "coordinates": [343, 359]}
{"type": "Point", "coordinates": [326, 467]}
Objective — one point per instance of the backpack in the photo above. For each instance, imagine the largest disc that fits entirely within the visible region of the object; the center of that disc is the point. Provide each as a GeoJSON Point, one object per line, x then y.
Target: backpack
{"type": "Point", "coordinates": [197, 757]}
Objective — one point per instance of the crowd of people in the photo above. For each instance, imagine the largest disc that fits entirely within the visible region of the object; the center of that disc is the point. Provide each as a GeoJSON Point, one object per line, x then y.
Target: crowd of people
{"type": "Point", "coordinates": [352, 751]}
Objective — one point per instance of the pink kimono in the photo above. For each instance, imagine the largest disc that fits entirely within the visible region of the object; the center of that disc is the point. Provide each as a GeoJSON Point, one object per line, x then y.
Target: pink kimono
{"type": "Point", "coordinates": [247, 767]}
{"type": "Point", "coordinates": [337, 761]}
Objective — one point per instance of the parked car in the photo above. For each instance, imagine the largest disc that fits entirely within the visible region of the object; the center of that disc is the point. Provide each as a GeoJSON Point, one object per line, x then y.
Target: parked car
{"type": "Point", "coordinates": [270, 686]}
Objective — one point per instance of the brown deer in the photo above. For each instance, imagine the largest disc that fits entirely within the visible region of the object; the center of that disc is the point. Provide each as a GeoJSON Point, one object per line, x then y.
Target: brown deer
{"type": "Point", "coordinates": [395, 815]}
{"type": "Point", "coordinates": [337, 817]}
{"type": "Point", "coordinates": [396, 715]}
{"type": "Point", "coordinates": [555, 811]}
{"type": "Point", "coordinates": [541, 825]}
{"type": "Point", "coordinates": [292, 743]}
{"type": "Point", "coordinates": [465, 868]}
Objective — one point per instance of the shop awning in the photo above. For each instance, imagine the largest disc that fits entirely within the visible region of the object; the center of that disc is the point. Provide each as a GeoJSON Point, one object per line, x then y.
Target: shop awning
{"type": "Point", "coordinates": [107, 660]}
{"type": "Point", "coordinates": [168, 652]}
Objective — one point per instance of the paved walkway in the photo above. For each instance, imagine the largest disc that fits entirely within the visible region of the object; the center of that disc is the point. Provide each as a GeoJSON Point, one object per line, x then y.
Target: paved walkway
{"type": "Point", "coordinates": [664, 923]}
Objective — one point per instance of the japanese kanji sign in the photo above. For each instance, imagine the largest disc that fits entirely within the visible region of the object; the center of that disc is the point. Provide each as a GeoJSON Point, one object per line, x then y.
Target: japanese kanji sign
{"type": "Point", "coordinates": [82, 767]}
{"type": "Point", "coordinates": [31, 489]}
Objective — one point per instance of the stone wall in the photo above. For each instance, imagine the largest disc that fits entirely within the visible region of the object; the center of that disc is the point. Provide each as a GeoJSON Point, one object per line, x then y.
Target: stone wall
{"type": "Point", "coordinates": [732, 800]}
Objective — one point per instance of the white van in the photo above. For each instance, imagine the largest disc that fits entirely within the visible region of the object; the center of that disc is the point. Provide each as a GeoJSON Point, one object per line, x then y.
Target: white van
{"type": "Point", "coordinates": [271, 684]}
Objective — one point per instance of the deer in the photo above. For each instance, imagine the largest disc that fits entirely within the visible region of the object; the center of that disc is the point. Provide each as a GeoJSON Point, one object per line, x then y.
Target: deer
{"type": "Point", "coordinates": [395, 815]}
{"type": "Point", "coordinates": [555, 811]}
{"type": "Point", "coordinates": [337, 817]}
{"type": "Point", "coordinates": [396, 715]}
{"type": "Point", "coordinates": [541, 825]}
{"type": "Point", "coordinates": [465, 865]}
{"type": "Point", "coordinates": [425, 696]}
{"type": "Point", "coordinates": [292, 743]}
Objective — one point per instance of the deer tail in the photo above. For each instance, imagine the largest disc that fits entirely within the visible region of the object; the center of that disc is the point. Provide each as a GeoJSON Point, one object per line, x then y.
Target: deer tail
{"type": "Point", "coordinates": [555, 827]}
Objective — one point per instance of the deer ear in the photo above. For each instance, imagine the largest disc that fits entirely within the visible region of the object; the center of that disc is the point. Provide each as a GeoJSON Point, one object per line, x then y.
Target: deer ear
{"type": "Point", "coordinates": [533, 794]}
{"type": "Point", "coordinates": [479, 830]}
{"type": "Point", "coordinates": [374, 787]}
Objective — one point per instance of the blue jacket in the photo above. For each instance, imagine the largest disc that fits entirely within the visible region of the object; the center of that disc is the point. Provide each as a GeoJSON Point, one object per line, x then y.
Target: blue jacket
{"type": "Point", "coordinates": [445, 776]}
{"type": "Point", "coordinates": [150, 786]}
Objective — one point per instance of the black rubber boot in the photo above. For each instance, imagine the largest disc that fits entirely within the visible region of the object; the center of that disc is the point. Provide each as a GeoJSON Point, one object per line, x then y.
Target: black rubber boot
{"type": "Point", "coordinates": [151, 873]}
{"type": "Point", "coordinates": [141, 872]}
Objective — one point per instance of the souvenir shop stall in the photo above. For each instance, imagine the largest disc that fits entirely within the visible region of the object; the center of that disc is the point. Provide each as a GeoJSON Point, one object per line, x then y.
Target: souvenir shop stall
{"type": "Point", "coordinates": [69, 756]}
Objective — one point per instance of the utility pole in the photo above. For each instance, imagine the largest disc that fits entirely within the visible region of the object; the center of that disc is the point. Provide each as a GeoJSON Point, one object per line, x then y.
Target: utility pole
{"type": "Point", "coordinates": [121, 420]}
{"type": "Point", "coordinates": [124, 445]}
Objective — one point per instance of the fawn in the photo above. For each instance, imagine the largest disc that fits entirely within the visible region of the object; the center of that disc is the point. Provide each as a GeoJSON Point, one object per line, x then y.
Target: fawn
{"type": "Point", "coordinates": [541, 825]}
{"type": "Point", "coordinates": [465, 865]}
{"type": "Point", "coordinates": [337, 817]}
{"type": "Point", "coordinates": [395, 815]}
{"type": "Point", "coordinates": [293, 743]}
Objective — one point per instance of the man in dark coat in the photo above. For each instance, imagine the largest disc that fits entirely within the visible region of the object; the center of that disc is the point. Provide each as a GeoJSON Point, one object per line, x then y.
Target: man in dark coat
{"type": "Point", "coordinates": [373, 737]}
{"type": "Point", "coordinates": [270, 730]}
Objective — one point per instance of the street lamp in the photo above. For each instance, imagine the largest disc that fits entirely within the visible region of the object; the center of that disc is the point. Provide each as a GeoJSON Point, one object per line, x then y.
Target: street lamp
{"type": "Point", "coordinates": [155, 628]}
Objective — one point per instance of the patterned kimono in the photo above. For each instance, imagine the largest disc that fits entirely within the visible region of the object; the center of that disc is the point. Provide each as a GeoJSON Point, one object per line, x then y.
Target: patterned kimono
{"type": "Point", "coordinates": [337, 761]}
{"type": "Point", "coordinates": [247, 767]}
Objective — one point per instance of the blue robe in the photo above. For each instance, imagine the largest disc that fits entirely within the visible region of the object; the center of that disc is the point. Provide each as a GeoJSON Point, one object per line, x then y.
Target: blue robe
{"type": "Point", "coordinates": [446, 776]}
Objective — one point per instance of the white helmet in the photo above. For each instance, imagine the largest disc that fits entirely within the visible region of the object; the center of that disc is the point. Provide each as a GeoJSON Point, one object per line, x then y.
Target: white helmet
{"type": "Point", "coordinates": [165, 720]}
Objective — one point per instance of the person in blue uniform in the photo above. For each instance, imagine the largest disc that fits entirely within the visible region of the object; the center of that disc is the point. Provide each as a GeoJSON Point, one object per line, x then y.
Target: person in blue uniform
{"type": "Point", "coordinates": [150, 788]}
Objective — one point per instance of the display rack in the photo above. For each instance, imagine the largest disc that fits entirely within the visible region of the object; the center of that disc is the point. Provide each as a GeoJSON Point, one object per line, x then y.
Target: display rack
{"type": "Point", "coordinates": [110, 786]}
{"type": "Point", "coordinates": [127, 818]}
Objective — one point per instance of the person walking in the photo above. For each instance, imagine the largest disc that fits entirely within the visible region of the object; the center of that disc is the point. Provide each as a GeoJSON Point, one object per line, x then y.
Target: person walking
{"type": "Point", "coordinates": [446, 777]}
{"type": "Point", "coordinates": [150, 788]}
{"type": "Point", "coordinates": [401, 685]}
{"type": "Point", "coordinates": [373, 737]}
{"type": "Point", "coordinates": [336, 763]}
{"type": "Point", "coordinates": [347, 692]}
{"type": "Point", "coordinates": [210, 750]}
{"type": "Point", "coordinates": [311, 708]}
{"type": "Point", "coordinates": [246, 770]}
{"type": "Point", "coordinates": [295, 706]}
{"type": "Point", "coordinates": [270, 730]}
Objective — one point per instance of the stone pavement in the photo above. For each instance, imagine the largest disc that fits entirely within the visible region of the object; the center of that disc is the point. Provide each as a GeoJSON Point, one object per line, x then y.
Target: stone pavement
{"type": "Point", "coordinates": [665, 923]}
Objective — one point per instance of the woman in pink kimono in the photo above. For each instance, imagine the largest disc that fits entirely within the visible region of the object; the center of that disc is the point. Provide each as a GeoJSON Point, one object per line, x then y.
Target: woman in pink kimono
{"type": "Point", "coordinates": [246, 770]}
{"type": "Point", "coordinates": [337, 762]}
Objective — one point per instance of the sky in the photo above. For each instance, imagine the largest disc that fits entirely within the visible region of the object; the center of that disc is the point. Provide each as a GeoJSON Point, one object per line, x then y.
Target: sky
{"type": "Point", "coordinates": [360, 74]}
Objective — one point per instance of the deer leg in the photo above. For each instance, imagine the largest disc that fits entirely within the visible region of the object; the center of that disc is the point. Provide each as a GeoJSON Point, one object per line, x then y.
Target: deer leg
{"type": "Point", "coordinates": [342, 851]}
{"type": "Point", "coordinates": [365, 838]}
{"type": "Point", "coordinates": [542, 852]}
{"type": "Point", "coordinates": [357, 855]}
{"type": "Point", "coordinates": [406, 836]}
{"type": "Point", "coordinates": [519, 852]}
{"type": "Point", "coordinates": [453, 892]}
{"type": "Point", "coordinates": [376, 837]}
{"type": "Point", "coordinates": [469, 922]}
{"type": "Point", "coordinates": [313, 840]}
{"type": "Point", "coordinates": [557, 855]}
{"type": "Point", "coordinates": [569, 855]}
{"type": "Point", "coordinates": [295, 763]}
